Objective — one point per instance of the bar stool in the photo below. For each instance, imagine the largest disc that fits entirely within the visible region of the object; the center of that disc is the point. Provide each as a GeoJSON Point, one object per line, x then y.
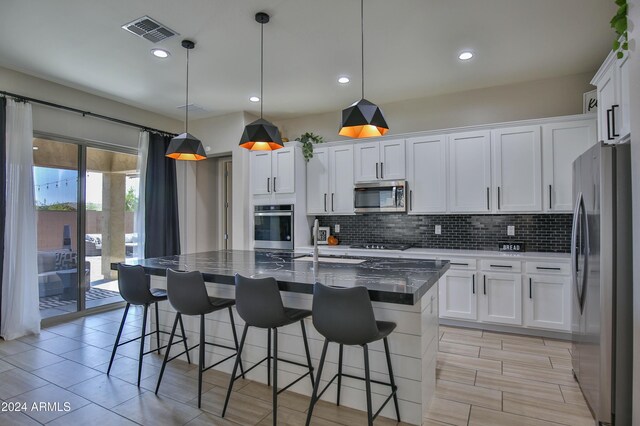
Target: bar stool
{"type": "Point", "coordinates": [345, 316]}
{"type": "Point", "coordinates": [134, 286]}
{"type": "Point", "coordinates": [259, 304]}
{"type": "Point", "coordinates": [188, 296]}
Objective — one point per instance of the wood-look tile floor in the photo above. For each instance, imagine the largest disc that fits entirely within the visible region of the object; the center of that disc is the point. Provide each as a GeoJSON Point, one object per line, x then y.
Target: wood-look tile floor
{"type": "Point", "coordinates": [483, 379]}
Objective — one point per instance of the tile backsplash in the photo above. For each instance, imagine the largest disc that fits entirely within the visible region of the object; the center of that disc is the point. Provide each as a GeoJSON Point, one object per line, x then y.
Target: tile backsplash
{"type": "Point", "coordinates": [539, 232]}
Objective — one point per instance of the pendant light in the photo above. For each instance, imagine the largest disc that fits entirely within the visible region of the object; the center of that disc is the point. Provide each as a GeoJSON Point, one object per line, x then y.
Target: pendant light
{"type": "Point", "coordinates": [185, 146]}
{"type": "Point", "coordinates": [261, 135]}
{"type": "Point", "coordinates": [363, 119]}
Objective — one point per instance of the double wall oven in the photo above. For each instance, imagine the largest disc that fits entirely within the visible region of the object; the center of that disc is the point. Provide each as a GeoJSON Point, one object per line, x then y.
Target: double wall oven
{"type": "Point", "coordinates": [273, 227]}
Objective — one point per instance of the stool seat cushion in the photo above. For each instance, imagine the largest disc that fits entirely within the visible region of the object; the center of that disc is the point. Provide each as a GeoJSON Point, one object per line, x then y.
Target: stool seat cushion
{"type": "Point", "coordinates": [384, 329]}
{"type": "Point", "coordinates": [158, 294]}
{"type": "Point", "coordinates": [218, 303]}
{"type": "Point", "coordinates": [295, 315]}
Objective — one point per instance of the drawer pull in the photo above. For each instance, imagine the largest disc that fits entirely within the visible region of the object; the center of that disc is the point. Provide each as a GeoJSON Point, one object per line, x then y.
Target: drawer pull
{"type": "Point", "coordinates": [458, 264]}
{"type": "Point", "coordinates": [547, 268]}
{"type": "Point", "coordinates": [501, 266]}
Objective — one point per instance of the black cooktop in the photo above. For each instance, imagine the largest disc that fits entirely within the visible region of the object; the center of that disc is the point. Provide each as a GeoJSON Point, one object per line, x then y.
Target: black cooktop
{"type": "Point", "coordinates": [380, 246]}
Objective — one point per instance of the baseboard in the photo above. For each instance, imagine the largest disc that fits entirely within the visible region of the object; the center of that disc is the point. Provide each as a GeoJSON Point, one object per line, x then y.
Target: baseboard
{"type": "Point", "coordinates": [507, 329]}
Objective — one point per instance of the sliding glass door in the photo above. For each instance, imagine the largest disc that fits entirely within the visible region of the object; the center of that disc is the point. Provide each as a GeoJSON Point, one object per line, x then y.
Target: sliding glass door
{"type": "Point", "coordinates": [85, 198]}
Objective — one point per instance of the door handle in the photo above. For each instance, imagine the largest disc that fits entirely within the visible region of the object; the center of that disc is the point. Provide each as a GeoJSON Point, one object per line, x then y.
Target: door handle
{"type": "Point", "coordinates": [473, 284]}
{"type": "Point", "coordinates": [274, 184]}
{"type": "Point", "coordinates": [609, 124]}
{"type": "Point", "coordinates": [325, 202]}
{"type": "Point", "coordinates": [269, 185]}
{"type": "Point", "coordinates": [613, 121]}
{"type": "Point", "coordinates": [546, 268]}
{"type": "Point", "coordinates": [332, 194]}
{"type": "Point", "coordinates": [411, 199]}
{"type": "Point", "coordinates": [550, 207]}
{"type": "Point", "coordinates": [501, 266]}
{"type": "Point", "coordinates": [484, 284]}
{"type": "Point", "coordinates": [381, 171]}
{"type": "Point", "coordinates": [377, 171]}
{"type": "Point", "coordinates": [498, 198]}
{"type": "Point", "coordinates": [530, 293]}
{"type": "Point", "coordinates": [458, 264]}
{"type": "Point", "coordinates": [488, 205]}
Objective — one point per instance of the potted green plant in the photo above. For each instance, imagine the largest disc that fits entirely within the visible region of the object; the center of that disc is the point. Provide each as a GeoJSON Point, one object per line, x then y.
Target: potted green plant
{"type": "Point", "coordinates": [308, 139]}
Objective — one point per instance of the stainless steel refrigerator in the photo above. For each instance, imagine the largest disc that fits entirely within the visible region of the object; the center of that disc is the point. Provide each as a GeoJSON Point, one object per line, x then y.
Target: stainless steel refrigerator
{"type": "Point", "coordinates": [601, 245]}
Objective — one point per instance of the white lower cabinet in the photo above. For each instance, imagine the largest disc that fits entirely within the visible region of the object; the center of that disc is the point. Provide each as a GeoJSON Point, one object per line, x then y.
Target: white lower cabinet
{"type": "Point", "coordinates": [501, 298]}
{"type": "Point", "coordinates": [458, 295]}
{"type": "Point", "coordinates": [547, 302]}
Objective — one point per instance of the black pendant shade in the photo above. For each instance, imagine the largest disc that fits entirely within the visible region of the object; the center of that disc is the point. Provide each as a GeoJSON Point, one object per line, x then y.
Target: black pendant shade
{"type": "Point", "coordinates": [363, 119]}
{"type": "Point", "coordinates": [261, 135]}
{"type": "Point", "coordinates": [185, 146]}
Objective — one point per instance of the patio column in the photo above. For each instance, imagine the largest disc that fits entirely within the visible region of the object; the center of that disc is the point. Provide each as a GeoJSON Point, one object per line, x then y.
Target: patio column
{"type": "Point", "coordinates": [113, 221]}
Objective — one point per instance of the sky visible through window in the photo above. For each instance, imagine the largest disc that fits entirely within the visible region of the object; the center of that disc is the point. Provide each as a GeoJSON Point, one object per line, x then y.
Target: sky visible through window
{"type": "Point", "coordinates": [59, 187]}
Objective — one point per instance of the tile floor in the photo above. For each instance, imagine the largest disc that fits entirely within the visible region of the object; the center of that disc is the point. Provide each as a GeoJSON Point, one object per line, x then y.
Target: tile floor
{"type": "Point", "coordinates": [484, 378]}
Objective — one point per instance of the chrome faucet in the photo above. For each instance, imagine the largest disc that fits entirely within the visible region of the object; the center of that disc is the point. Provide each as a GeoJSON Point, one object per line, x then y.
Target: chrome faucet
{"type": "Point", "coordinates": [315, 242]}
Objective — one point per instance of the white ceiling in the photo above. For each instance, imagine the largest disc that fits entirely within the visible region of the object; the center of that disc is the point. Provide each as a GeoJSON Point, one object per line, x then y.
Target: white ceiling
{"type": "Point", "coordinates": [411, 48]}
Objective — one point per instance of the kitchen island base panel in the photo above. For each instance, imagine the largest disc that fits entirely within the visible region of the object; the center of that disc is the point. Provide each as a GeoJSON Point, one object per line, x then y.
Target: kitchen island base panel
{"type": "Point", "coordinates": [413, 347]}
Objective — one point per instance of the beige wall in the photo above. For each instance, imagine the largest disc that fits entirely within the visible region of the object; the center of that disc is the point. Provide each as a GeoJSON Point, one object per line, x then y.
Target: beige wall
{"type": "Point", "coordinates": [534, 99]}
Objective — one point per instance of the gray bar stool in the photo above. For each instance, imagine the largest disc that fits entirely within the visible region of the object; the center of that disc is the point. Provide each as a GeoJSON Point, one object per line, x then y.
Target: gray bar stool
{"type": "Point", "coordinates": [345, 316]}
{"type": "Point", "coordinates": [259, 304]}
{"type": "Point", "coordinates": [188, 296]}
{"type": "Point", "coordinates": [135, 289]}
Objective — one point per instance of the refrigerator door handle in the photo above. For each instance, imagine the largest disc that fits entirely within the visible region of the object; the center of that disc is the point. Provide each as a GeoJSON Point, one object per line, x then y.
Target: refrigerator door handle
{"type": "Point", "coordinates": [574, 254]}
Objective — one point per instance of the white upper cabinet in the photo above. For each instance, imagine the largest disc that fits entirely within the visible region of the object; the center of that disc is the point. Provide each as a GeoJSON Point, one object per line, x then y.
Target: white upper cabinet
{"type": "Point", "coordinates": [427, 174]}
{"type": "Point", "coordinates": [330, 181]}
{"type": "Point", "coordinates": [273, 172]}
{"type": "Point", "coordinates": [562, 143]}
{"type": "Point", "coordinates": [318, 181]}
{"type": "Point", "coordinates": [612, 82]}
{"type": "Point", "coordinates": [469, 172]}
{"type": "Point", "coordinates": [517, 169]}
{"type": "Point", "coordinates": [379, 161]}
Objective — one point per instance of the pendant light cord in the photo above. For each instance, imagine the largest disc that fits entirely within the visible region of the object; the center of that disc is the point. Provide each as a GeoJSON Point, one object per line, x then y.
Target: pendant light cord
{"type": "Point", "coordinates": [261, 66]}
{"type": "Point", "coordinates": [186, 105]}
{"type": "Point", "coordinates": [362, 42]}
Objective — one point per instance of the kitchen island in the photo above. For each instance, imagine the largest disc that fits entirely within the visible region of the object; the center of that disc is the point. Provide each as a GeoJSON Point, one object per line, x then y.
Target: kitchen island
{"type": "Point", "coordinates": [402, 290]}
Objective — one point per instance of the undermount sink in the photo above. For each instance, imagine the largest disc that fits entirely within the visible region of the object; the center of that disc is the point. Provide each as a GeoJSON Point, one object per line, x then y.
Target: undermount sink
{"type": "Point", "coordinates": [333, 260]}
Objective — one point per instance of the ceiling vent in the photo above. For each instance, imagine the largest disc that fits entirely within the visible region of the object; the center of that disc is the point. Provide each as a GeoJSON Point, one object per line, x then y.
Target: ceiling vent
{"type": "Point", "coordinates": [149, 29]}
{"type": "Point", "coordinates": [193, 109]}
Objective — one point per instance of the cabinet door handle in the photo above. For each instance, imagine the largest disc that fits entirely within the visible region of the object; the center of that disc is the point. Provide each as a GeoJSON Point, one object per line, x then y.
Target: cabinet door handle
{"type": "Point", "coordinates": [274, 184]}
{"type": "Point", "coordinates": [488, 205]}
{"type": "Point", "coordinates": [530, 292]}
{"type": "Point", "coordinates": [613, 121]}
{"type": "Point", "coordinates": [501, 266]}
{"type": "Point", "coordinates": [332, 194]}
{"type": "Point", "coordinates": [473, 284]}
{"type": "Point", "coordinates": [484, 284]}
{"type": "Point", "coordinates": [411, 199]}
{"type": "Point", "coordinates": [547, 268]}
{"type": "Point", "coordinates": [269, 185]}
{"type": "Point", "coordinates": [498, 198]}
{"type": "Point", "coordinates": [325, 202]}
{"type": "Point", "coordinates": [377, 171]}
{"type": "Point", "coordinates": [458, 264]}
{"type": "Point", "coordinates": [609, 124]}
{"type": "Point", "coordinates": [550, 206]}
{"type": "Point", "coordinates": [381, 171]}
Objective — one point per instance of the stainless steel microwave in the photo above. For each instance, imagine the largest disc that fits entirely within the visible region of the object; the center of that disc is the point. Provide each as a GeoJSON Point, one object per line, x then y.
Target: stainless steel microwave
{"type": "Point", "coordinates": [385, 197]}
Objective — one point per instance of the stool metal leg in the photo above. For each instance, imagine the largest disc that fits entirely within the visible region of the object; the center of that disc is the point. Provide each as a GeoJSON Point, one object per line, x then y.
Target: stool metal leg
{"type": "Point", "coordinates": [235, 338]}
{"type": "Point", "coordinates": [391, 378]}
{"type": "Point", "coordinates": [201, 359]}
{"type": "Point", "coordinates": [115, 345]}
{"type": "Point", "coordinates": [268, 357]}
{"type": "Point", "coordinates": [368, 382]}
{"type": "Point", "coordinates": [157, 329]}
{"type": "Point", "coordinates": [184, 338]}
{"type": "Point", "coordinates": [166, 354]}
{"type": "Point", "coordinates": [339, 373]}
{"type": "Point", "coordinates": [144, 329]}
{"type": "Point", "coordinates": [306, 349]}
{"type": "Point", "coordinates": [275, 377]}
{"type": "Point", "coordinates": [316, 386]}
{"type": "Point", "coordinates": [235, 368]}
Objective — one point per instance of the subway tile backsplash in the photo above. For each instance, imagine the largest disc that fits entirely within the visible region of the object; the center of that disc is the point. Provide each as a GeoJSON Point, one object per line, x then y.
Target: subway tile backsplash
{"type": "Point", "coordinates": [539, 232]}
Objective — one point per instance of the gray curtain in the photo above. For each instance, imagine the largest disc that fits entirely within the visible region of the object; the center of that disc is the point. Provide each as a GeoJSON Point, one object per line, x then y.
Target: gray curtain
{"type": "Point", "coordinates": [162, 233]}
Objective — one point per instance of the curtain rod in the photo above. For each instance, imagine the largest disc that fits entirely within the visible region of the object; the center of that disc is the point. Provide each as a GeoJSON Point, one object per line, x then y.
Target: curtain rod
{"type": "Point", "coordinates": [85, 113]}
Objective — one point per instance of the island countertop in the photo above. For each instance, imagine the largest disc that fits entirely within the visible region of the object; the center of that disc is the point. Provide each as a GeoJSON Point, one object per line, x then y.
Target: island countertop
{"type": "Point", "coordinates": [399, 281]}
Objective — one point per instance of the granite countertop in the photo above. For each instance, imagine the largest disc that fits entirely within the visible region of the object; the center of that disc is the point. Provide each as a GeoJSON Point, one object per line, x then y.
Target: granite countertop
{"type": "Point", "coordinates": [423, 252]}
{"type": "Point", "coordinates": [399, 281]}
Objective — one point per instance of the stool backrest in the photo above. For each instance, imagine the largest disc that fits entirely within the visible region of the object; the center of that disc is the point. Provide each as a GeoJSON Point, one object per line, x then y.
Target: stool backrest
{"type": "Point", "coordinates": [258, 302]}
{"type": "Point", "coordinates": [133, 284]}
{"type": "Point", "coordinates": [187, 292]}
{"type": "Point", "coordinates": [344, 315]}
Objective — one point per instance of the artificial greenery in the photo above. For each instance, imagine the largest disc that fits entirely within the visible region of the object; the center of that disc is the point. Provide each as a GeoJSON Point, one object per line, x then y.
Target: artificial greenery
{"type": "Point", "coordinates": [619, 24]}
{"type": "Point", "coordinates": [308, 139]}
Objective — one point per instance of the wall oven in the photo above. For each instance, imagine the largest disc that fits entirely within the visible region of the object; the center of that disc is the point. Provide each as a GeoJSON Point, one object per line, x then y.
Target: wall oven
{"type": "Point", "coordinates": [273, 227]}
{"type": "Point", "coordinates": [380, 197]}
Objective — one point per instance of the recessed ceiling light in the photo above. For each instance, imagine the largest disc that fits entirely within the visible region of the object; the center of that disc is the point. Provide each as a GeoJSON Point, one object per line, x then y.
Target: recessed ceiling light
{"type": "Point", "coordinates": [343, 80]}
{"type": "Point", "coordinates": [465, 56]}
{"type": "Point", "coordinates": [254, 99]}
{"type": "Point", "coordinates": [160, 53]}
